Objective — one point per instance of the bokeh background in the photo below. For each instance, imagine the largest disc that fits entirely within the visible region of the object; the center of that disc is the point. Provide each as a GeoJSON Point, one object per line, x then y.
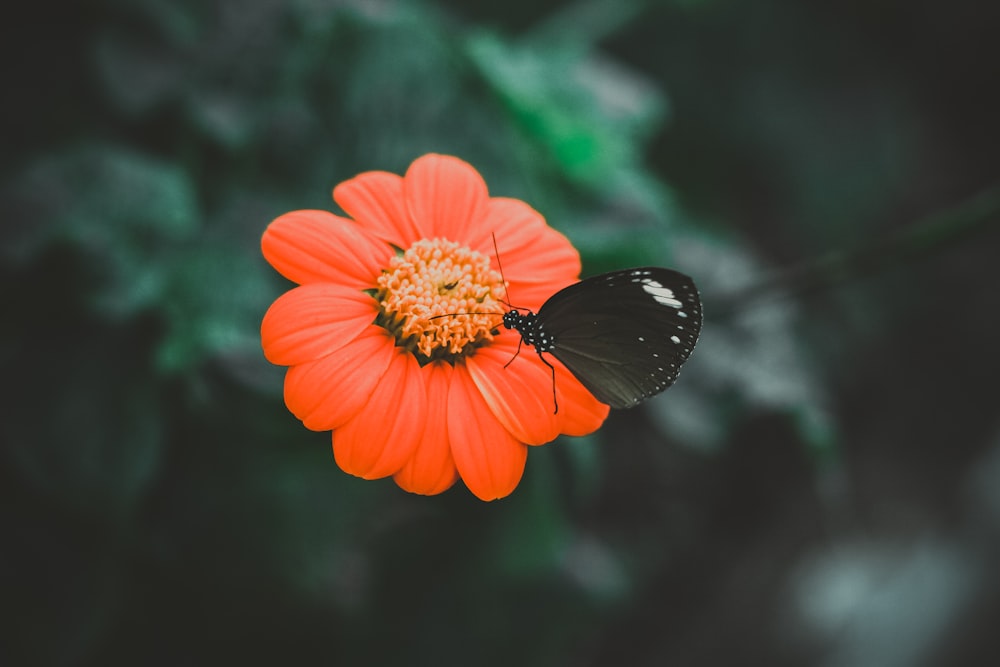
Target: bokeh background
{"type": "Point", "coordinates": [821, 487]}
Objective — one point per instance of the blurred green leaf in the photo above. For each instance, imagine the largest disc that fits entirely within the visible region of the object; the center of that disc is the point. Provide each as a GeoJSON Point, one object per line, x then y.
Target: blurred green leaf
{"type": "Point", "coordinates": [586, 113]}
{"type": "Point", "coordinates": [124, 210]}
{"type": "Point", "coordinates": [214, 300]}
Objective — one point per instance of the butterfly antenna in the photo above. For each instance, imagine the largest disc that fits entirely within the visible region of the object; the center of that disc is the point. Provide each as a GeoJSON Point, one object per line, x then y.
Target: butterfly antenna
{"type": "Point", "coordinates": [496, 251]}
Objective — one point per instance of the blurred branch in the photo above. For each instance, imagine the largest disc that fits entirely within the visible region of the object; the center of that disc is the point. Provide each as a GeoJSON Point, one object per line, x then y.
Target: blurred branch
{"type": "Point", "coordinates": [930, 234]}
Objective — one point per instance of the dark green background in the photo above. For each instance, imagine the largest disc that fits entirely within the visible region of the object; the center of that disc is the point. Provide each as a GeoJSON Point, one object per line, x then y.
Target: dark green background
{"type": "Point", "coordinates": [821, 487]}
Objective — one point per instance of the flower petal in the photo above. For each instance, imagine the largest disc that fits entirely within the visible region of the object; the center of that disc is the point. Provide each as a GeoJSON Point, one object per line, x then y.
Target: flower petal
{"type": "Point", "coordinates": [444, 195]}
{"type": "Point", "coordinates": [538, 261]}
{"type": "Point", "coordinates": [312, 321]}
{"type": "Point", "coordinates": [328, 392]}
{"type": "Point", "coordinates": [383, 435]}
{"type": "Point", "coordinates": [431, 469]}
{"type": "Point", "coordinates": [375, 200]}
{"type": "Point", "coordinates": [579, 412]}
{"type": "Point", "coordinates": [318, 246]}
{"type": "Point", "coordinates": [489, 459]}
{"type": "Point", "coordinates": [520, 395]}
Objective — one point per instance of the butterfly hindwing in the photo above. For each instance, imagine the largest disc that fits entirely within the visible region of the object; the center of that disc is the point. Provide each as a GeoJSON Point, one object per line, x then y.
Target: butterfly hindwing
{"type": "Point", "coordinates": [624, 334]}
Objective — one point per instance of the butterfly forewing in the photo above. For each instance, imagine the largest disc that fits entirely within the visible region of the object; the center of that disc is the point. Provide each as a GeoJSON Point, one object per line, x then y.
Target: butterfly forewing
{"type": "Point", "coordinates": [624, 334]}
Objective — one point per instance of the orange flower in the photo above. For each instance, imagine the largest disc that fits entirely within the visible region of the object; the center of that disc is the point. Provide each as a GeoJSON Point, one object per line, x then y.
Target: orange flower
{"type": "Point", "coordinates": [407, 393]}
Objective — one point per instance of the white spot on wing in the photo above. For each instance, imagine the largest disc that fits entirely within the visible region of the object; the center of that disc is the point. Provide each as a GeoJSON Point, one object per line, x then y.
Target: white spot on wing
{"type": "Point", "coordinates": [661, 294]}
{"type": "Point", "coordinates": [675, 339]}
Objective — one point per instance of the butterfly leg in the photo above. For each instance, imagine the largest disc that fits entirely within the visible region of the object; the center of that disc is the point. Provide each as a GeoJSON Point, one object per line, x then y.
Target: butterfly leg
{"type": "Point", "coordinates": [555, 402]}
{"type": "Point", "coordinates": [520, 340]}
{"type": "Point", "coordinates": [544, 361]}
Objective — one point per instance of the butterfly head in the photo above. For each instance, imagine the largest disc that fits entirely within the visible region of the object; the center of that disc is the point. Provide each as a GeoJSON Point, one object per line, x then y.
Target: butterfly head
{"type": "Point", "coordinates": [513, 320]}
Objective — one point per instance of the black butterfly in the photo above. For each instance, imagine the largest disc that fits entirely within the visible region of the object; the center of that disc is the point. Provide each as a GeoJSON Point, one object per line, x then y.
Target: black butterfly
{"type": "Point", "coordinates": [624, 334]}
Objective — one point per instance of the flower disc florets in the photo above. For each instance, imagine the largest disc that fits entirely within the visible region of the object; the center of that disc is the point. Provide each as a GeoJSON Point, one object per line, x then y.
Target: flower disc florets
{"type": "Point", "coordinates": [440, 299]}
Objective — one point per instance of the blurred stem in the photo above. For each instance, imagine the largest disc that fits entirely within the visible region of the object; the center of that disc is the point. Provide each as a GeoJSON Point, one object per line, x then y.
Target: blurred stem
{"type": "Point", "coordinates": [928, 235]}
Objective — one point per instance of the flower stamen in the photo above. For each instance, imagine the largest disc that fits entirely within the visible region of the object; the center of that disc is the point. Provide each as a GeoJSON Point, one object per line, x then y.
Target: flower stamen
{"type": "Point", "coordinates": [440, 299]}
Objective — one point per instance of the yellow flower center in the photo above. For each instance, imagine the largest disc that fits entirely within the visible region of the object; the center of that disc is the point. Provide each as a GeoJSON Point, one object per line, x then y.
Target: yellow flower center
{"type": "Point", "coordinates": [439, 299]}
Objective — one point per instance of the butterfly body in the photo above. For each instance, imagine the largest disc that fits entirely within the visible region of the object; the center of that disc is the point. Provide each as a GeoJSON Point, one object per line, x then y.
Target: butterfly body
{"type": "Point", "coordinates": [624, 335]}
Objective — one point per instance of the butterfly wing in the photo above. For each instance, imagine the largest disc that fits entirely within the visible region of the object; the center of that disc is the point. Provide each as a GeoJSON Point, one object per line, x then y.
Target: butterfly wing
{"type": "Point", "coordinates": [624, 334]}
